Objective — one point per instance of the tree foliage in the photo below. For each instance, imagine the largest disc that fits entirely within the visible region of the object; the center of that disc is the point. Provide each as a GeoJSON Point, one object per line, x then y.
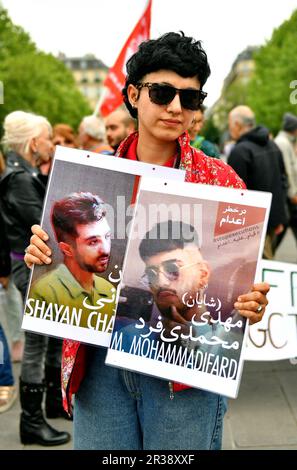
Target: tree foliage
{"type": "Point", "coordinates": [210, 131]}
{"type": "Point", "coordinates": [234, 95]}
{"type": "Point", "coordinates": [271, 90]}
{"type": "Point", "coordinates": [34, 81]}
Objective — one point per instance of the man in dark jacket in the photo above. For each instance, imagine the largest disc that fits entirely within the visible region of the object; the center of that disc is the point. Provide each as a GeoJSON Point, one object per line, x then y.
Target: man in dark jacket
{"type": "Point", "coordinates": [258, 161]}
{"type": "Point", "coordinates": [8, 392]}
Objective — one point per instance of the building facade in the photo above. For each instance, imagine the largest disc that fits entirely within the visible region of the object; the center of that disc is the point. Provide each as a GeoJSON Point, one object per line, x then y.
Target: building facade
{"type": "Point", "coordinates": [89, 74]}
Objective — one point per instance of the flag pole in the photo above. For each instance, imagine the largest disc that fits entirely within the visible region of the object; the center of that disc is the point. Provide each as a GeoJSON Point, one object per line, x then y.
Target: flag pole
{"type": "Point", "coordinates": [115, 80]}
{"type": "Point", "coordinates": [100, 101]}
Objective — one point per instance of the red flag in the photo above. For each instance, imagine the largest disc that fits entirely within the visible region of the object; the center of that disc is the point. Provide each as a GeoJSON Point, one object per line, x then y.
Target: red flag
{"type": "Point", "coordinates": [116, 77]}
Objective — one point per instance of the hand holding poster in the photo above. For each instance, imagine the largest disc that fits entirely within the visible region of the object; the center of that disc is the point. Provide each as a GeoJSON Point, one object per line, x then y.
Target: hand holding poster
{"type": "Point", "coordinates": [194, 254]}
{"type": "Point", "coordinates": [87, 211]}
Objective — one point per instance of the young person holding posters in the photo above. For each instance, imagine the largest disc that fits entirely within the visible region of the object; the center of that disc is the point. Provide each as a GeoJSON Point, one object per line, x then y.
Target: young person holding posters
{"type": "Point", "coordinates": [118, 409]}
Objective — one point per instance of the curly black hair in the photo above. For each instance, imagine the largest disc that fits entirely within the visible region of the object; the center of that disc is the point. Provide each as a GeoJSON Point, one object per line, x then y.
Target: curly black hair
{"type": "Point", "coordinates": [172, 51]}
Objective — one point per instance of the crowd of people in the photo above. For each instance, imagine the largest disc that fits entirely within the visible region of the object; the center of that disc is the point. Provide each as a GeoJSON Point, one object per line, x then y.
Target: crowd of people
{"type": "Point", "coordinates": [160, 123]}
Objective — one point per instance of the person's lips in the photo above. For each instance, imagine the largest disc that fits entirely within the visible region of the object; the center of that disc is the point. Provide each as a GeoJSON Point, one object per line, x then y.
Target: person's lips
{"type": "Point", "coordinates": [164, 294]}
{"type": "Point", "coordinates": [103, 259]}
{"type": "Point", "coordinates": [171, 122]}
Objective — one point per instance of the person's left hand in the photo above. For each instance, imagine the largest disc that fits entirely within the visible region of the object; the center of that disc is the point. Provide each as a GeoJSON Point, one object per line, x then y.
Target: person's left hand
{"type": "Point", "coordinates": [248, 305]}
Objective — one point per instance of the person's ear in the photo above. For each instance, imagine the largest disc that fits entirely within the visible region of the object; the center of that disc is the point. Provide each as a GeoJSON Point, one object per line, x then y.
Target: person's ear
{"type": "Point", "coordinates": [133, 95]}
{"type": "Point", "coordinates": [66, 249]}
{"type": "Point", "coordinates": [204, 274]}
{"type": "Point", "coordinates": [33, 145]}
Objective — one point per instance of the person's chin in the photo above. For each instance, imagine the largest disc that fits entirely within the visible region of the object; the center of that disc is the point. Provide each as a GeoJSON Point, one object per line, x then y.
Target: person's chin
{"type": "Point", "coordinates": [102, 266]}
{"type": "Point", "coordinates": [166, 301]}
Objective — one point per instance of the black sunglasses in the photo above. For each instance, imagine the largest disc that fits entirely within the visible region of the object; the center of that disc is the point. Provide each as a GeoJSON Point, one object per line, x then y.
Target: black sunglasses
{"type": "Point", "coordinates": [163, 94]}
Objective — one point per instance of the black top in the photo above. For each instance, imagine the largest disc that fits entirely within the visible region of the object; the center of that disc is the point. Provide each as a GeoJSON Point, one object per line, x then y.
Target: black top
{"type": "Point", "coordinates": [22, 189]}
{"type": "Point", "coordinates": [5, 265]}
{"type": "Point", "coordinates": [259, 162]}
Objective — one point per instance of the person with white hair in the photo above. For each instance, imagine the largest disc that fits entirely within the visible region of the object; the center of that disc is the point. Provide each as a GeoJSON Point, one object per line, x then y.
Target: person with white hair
{"type": "Point", "coordinates": [91, 135]}
{"type": "Point", "coordinates": [28, 144]}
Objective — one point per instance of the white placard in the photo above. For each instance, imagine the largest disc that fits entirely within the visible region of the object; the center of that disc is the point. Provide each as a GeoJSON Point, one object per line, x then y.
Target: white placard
{"type": "Point", "coordinates": [64, 299]}
{"type": "Point", "coordinates": [198, 281]}
{"type": "Point", "coordinates": [275, 337]}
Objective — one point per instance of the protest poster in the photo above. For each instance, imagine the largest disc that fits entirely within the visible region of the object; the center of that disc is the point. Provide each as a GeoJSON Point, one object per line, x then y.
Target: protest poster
{"type": "Point", "coordinates": [274, 338]}
{"type": "Point", "coordinates": [194, 248]}
{"type": "Point", "coordinates": [87, 212]}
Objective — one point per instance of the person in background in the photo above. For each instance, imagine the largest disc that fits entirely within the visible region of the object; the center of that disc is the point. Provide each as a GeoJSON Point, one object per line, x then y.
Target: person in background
{"type": "Point", "coordinates": [286, 141]}
{"type": "Point", "coordinates": [28, 143]}
{"type": "Point", "coordinates": [63, 135]}
{"type": "Point", "coordinates": [119, 124]}
{"type": "Point", "coordinates": [11, 301]}
{"type": "Point", "coordinates": [258, 161]}
{"type": "Point", "coordinates": [198, 141]}
{"type": "Point", "coordinates": [8, 391]}
{"type": "Point", "coordinates": [91, 135]}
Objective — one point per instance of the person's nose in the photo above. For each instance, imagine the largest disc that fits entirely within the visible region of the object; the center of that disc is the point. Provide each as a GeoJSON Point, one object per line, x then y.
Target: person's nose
{"type": "Point", "coordinates": [162, 280]}
{"type": "Point", "coordinates": [105, 247]}
{"type": "Point", "coordinates": [175, 106]}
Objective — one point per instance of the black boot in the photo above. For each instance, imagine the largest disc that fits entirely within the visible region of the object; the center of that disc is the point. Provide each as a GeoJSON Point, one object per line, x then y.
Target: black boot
{"type": "Point", "coordinates": [33, 428]}
{"type": "Point", "coordinates": [53, 399]}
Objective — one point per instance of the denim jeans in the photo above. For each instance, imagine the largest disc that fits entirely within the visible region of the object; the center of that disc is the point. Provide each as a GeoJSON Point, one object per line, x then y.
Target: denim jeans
{"type": "Point", "coordinates": [39, 350]}
{"type": "Point", "coordinates": [6, 377]}
{"type": "Point", "coordinates": [118, 409]}
{"type": "Point", "coordinates": [11, 306]}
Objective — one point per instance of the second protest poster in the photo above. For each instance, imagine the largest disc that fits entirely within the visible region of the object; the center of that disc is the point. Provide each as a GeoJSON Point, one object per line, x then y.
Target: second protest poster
{"type": "Point", "coordinates": [193, 249]}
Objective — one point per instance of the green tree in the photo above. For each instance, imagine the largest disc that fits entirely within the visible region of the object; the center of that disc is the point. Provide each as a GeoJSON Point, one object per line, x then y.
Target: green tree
{"type": "Point", "coordinates": [235, 95]}
{"type": "Point", "coordinates": [13, 39]}
{"type": "Point", "coordinates": [210, 131]}
{"type": "Point", "coordinates": [34, 81]}
{"type": "Point", "coordinates": [269, 92]}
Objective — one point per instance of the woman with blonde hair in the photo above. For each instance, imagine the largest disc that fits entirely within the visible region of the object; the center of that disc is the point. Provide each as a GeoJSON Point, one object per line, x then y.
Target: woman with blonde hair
{"type": "Point", "coordinates": [28, 144]}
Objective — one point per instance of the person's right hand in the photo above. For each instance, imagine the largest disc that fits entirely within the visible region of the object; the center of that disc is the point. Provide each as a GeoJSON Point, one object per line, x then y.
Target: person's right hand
{"type": "Point", "coordinates": [37, 252]}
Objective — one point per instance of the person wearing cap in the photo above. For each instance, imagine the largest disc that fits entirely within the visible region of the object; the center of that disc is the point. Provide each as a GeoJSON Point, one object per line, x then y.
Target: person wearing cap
{"type": "Point", "coordinates": [286, 141]}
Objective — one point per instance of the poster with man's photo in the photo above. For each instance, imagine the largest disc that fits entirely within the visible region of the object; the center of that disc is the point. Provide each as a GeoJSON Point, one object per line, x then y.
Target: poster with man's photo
{"type": "Point", "coordinates": [193, 249]}
{"type": "Point", "coordinates": [87, 214]}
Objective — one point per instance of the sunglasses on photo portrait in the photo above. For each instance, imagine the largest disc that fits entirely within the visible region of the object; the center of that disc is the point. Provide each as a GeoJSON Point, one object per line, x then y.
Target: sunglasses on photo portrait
{"type": "Point", "coordinates": [163, 94]}
{"type": "Point", "coordinates": [169, 268]}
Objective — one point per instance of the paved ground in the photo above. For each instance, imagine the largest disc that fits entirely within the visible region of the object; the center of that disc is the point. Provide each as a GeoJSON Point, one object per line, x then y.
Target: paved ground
{"type": "Point", "coordinates": [9, 424]}
{"type": "Point", "coordinates": [264, 416]}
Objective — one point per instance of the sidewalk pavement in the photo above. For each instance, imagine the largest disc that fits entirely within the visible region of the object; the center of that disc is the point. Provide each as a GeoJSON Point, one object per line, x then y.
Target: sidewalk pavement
{"type": "Point", "coordinates": [264, 416]}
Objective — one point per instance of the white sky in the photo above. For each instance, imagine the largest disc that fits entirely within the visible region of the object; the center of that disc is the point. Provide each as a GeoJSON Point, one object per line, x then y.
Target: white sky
{"type": "Point", "coordinates": [101, 27]}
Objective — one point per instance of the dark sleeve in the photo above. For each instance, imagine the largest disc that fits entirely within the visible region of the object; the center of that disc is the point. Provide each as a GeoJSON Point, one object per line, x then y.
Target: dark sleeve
{"type": "Point", "coordinates": [5, 265]}
{"type": "Point", "coordinates": [24, 199]}
{"type": "Point", "coordinates": [285, 182]}
{"type": "Point", "coordinates": [239, 159]}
